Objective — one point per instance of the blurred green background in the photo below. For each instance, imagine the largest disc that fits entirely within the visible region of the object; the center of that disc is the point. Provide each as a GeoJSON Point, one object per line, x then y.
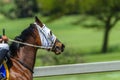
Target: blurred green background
{"type": "Point", "coordinates": [88, 28]}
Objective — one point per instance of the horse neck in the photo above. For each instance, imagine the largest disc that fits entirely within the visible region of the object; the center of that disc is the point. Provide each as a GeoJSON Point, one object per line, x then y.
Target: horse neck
{"type": "Point", "coordinates": [27, 56]}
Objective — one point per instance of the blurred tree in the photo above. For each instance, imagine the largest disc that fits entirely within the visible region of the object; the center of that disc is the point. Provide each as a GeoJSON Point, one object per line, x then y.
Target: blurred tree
{"type": "Point", "coordinates": [7, 8]}
{"type": "Point", "coordinates": [50, 7]}
{"type": "Point", "coordinates": [58, 8]}
{"type": "Point", "coordinates": [35, 6]}
{"type": "Point", "coordinates": [107, 11]}
{"type": "Point", "coordinates": [25, 8]}
{"type": "Point", "coordinates": [72, 7]}
{"type": "Point", "coordinates": [45, 6]}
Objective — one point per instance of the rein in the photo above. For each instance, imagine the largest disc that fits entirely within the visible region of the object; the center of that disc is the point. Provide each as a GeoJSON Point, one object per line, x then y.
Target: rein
{"type": "Point", "coordinates": [27, 44]}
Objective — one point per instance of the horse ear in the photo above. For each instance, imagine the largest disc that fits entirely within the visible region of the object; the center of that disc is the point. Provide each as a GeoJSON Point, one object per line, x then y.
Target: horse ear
{"type": "Point", "coordinates": [38, 21]}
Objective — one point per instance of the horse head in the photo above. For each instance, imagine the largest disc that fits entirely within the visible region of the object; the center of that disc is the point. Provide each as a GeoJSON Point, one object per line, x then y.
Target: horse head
{"type": "Point", "coordinates": [47, 39]}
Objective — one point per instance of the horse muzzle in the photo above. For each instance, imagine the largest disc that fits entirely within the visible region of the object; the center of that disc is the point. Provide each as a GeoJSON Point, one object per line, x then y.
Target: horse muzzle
{"type": "Point", "coordinates": [58, 47]}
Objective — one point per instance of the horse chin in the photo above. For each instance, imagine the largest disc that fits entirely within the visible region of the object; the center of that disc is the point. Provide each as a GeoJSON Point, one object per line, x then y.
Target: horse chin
{"type": "Point", "coordinates": [57, 53]}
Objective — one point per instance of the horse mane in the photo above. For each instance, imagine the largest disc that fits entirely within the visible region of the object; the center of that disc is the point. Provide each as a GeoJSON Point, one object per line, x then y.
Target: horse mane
{"type": "Point", "coordinates": [14, 47]}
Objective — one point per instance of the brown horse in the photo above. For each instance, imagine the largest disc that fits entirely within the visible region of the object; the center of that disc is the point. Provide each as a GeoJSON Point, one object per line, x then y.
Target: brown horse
{"type": "Point", "coordinates": [23, 49]}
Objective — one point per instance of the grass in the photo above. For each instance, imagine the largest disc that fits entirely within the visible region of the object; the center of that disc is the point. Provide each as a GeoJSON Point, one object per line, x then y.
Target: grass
{"type": "Point", "coordinates": [78, 40]}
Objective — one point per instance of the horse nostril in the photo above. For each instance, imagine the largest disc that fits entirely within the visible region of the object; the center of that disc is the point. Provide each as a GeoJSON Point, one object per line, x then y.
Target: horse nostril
{"type": "Point", "coordinates": [63, 46]}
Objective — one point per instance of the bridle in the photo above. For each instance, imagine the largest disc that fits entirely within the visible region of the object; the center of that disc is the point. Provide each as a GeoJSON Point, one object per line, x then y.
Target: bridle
{"type": "Point", "coordinates": [48, 40]}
